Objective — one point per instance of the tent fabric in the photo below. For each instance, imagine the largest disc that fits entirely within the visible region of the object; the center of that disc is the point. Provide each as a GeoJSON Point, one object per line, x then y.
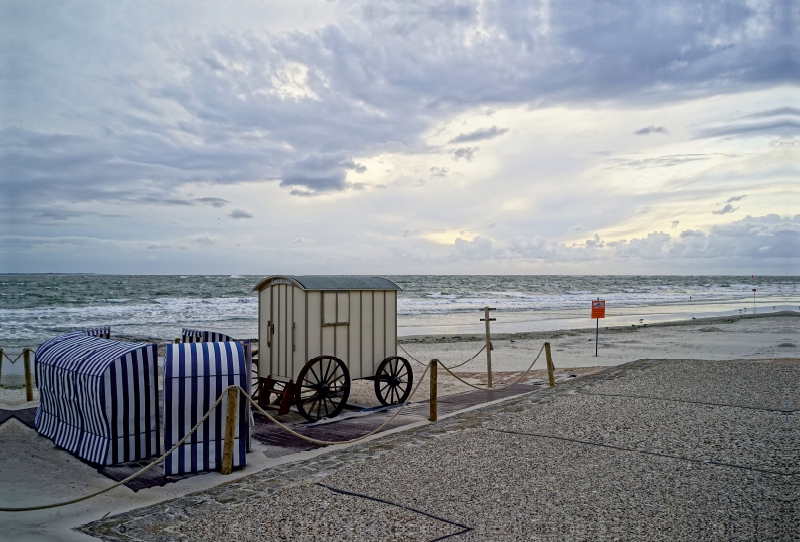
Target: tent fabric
{"type": "Point", "coordinates": [195, 375]}
{"type": "Point", "coordinates": [98, 397]}
{"type": "Point", "coordinates": [199, 335]}
{"type": "Point", "coordinates": [102, 332]}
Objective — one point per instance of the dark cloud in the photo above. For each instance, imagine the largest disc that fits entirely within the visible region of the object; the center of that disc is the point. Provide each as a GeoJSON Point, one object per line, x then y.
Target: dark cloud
{"type": "Point", "coordinates": [464, 152]}
{"type": "Point", "coordinates": [319, 172]}
{"type": "Point", "coordinates": [725, 210]}
{"type": "Point", "coordinates": [784, 121]}
{"type": "Point", "coordinates": [781, 111]}
{"type": "Point", "coordinates": [651, 129]}
{"type": "Point", "coordinates": [58, 214]}
{"type": "Point", "coordinates": [736, 198]}
{"type": "Point", "coordinates": [240, 213]}
{"type": "Point", "coordinates": [214, 202]}
{"type": "Point", "coordinates": [478, 135]}
{"type": "Point", "coordinates": [660, 161]}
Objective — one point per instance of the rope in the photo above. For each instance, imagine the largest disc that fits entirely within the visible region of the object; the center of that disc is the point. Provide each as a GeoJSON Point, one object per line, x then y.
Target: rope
{"type": "Point", "coordinates": [198, 424]}
{"type": "Point", "coordinates": [132, 476]}
{"type": "Point", "coordinates": [3, 352]}
{"type": "Point", "coordinates": [500, 387]}
{"type": "Point", "coordinates": [451, 367]}
{"type": "Point", "coordinates": [328, 442]}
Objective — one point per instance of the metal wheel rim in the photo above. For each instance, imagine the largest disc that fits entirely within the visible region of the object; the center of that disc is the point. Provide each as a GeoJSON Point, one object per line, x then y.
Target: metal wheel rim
{"type": "Point", "coordinates": [393, 381]}
{"type": "Point", "coordinates": [323, 388]}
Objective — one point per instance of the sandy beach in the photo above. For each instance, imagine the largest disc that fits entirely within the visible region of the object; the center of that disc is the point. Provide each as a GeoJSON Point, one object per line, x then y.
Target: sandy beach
{"type": "Point", "coordinates": [25, 456]}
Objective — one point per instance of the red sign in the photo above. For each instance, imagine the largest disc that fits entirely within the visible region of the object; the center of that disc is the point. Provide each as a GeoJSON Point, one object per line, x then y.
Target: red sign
{"type": "Point", "coordinates": [599, 308]}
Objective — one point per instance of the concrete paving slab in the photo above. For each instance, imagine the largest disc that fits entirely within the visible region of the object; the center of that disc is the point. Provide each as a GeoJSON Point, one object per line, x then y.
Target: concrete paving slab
{"type": "Point", "coordinates": [560, 464]}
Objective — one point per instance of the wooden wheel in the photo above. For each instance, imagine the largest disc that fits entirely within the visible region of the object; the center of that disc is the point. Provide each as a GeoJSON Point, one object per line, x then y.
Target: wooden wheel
{"type": "Point", "coordinates": [255, 381]}
{"type": "Point", "coordinates": [323, 388]}
{"type": "Point", "coordinates": [393, 380]}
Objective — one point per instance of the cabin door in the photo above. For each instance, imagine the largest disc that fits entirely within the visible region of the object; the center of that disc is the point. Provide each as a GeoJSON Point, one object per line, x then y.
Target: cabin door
{"type": "Point", "coordinates": [280, 332]}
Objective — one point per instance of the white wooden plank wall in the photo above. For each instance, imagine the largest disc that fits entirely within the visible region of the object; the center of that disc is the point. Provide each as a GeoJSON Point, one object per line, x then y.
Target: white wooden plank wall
{"type": "Point", "coordinates": [356, 364]}
{"type": "Point", "coordinates": [390, 348]}
{"type": "Point", "coordinates": [299, 356]}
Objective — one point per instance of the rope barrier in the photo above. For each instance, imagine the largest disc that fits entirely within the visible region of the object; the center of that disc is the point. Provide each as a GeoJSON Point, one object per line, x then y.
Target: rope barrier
{"type": "Point", "coordinates": [198, 424]}
{"type": "Point", "coordinates": [451, 367]}
{"type": "Point", "coordinates": [331, 442]}
{"type": "Point", "coordinates": [276, 422]}
{"type": "Point", "coordinates": [3, 353]}
{"type": "Point", "coordinates": [497, 388]}
{"type": "Point", "coordinates": [132, 476]}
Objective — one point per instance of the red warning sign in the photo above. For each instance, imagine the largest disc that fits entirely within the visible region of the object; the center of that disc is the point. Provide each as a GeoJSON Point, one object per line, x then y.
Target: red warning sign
{"type": "Point", "coordinates": [599, 308]}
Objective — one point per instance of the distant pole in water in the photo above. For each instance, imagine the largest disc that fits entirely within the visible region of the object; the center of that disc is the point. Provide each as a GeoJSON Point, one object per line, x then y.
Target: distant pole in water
{"type": "Point", "coordinates": [754, 299]}
{"type": "Point", "coordinates": [488, 343]}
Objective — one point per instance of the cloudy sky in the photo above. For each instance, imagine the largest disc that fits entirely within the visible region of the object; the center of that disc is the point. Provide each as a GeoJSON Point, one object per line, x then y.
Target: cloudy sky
{"type": "Point", "coordinates": [398, 137]}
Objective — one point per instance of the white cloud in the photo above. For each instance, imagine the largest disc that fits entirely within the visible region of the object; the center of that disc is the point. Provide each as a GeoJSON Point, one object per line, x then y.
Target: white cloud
{"type": "Point", "coordinates": [480, 248]}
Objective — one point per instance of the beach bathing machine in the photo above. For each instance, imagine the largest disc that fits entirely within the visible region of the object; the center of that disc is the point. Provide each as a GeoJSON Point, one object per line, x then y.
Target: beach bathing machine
{"type": "Point", "coordinates": [317, 333]}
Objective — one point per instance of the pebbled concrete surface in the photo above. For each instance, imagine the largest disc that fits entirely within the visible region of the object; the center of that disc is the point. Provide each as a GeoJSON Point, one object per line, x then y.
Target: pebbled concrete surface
{"type": "Point", "coordinates": [650, 450]}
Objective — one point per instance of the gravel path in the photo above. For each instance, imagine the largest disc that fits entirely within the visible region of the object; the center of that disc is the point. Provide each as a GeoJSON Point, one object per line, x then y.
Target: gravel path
{"type": "Point", "coordinates": [651, 450]}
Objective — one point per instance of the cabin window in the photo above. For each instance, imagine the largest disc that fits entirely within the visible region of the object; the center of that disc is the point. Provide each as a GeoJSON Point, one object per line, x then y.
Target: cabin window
{"type": "Point", "coordinates": [336, 308]}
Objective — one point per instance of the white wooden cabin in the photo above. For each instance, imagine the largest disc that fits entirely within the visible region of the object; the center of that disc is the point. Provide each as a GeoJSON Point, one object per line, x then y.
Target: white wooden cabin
{"type": "Point", "coordinates": [353, 318]}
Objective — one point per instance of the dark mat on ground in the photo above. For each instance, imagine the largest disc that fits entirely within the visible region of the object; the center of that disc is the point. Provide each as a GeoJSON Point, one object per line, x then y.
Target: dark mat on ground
{"type": "Point", "coordinates": [346, 428]}
{"type": "Point", "coordinates": [152, 477]}
{"type": "Point", "coordinates": [24, 415]}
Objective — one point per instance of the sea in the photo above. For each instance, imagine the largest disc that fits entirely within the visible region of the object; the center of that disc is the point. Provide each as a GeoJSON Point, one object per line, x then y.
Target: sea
{"type": "Point", "coordinates": [35, 307]}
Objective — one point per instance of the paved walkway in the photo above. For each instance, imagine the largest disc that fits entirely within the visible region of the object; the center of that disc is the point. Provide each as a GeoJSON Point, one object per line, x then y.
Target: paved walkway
{"type": "Point", "coordinates": [655, 450]}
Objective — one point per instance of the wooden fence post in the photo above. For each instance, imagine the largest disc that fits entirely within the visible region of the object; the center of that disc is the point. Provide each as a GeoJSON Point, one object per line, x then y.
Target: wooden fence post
{"type": "Point", "coordinates": [550, 367]}
{"type": "Point", "coordinates": [434, 385]}
{"type": "Point", "coordinates": [28, 381]}
{"type": "Point", "coordinates": [230, 431]}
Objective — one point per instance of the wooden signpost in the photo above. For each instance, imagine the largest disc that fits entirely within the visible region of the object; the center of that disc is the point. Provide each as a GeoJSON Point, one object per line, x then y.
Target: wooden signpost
{"type": "Point", "coordinates": [488, 343]}
{"type": "Point", "coordinates": [598, 311]}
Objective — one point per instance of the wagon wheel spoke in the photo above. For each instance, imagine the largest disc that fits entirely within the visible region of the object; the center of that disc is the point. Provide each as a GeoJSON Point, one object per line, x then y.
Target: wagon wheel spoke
{"type": "Point", "coordinates": [327, 368]}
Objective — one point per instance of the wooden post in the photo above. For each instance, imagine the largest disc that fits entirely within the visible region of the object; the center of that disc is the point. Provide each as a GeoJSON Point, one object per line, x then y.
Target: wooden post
{"type": "Point", "coordinates": [230, 431]}
{"type": "Point", "coordinates": [2, 355]}
{"type": "Point", "coordinates": [434, 385]}
{"type": "Point", "coordinates": [28, 380]}
{"type": "Point", "coordinates": [488, 344]}
{"type": "Point", "coordinates": [550, 367]}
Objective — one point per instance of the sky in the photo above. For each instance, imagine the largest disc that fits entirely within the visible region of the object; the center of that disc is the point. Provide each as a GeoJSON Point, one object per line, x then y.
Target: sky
{"type": "Point", "coordinates": [381, 137]}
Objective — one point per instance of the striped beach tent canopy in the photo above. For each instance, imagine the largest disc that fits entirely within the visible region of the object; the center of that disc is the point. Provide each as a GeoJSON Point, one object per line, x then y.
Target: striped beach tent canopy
{"type": "Point", "coordinates": [99, 398]}
{"type": "Point", "coordinates": [102, 332]}
{"type": "Point", "coordinates": [195, 375]}
{"type": "Point", "coordinates": [202, 336]}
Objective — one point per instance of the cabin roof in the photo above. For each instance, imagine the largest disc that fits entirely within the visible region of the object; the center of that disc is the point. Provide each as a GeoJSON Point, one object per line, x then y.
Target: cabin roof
{"type": "Point", "coordinates": [331, 282]}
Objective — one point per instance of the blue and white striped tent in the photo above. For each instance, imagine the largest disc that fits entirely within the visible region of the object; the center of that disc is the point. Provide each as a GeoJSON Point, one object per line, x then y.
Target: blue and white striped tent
{"type": "Point", "coordinates": [201, 336]}
{"type": "Point", "coordinates": [102, 332]}
{"type": "Point", "coordinates": [195, 375]}
{"type": "Point", "coordinates": [99, 398]}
